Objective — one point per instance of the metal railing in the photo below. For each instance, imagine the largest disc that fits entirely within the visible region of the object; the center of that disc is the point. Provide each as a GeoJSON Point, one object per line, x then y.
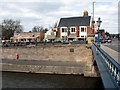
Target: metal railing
{"type": "Point", "coordinates": [112, 66]}
{"type": "Point", "coordinates": [15, 44]}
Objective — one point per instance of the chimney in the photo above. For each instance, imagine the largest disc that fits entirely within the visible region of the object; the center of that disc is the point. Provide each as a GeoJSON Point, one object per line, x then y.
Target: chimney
{"type": "Point", "coordinates": [85, 13]}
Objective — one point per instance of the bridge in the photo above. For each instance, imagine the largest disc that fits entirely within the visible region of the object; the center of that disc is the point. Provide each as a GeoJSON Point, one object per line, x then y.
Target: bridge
{"type": "Point", "coordinates": [108, 67]}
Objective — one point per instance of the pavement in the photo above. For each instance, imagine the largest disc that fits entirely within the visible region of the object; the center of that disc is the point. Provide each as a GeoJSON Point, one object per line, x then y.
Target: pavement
{"type": "Point", "coordinates": [115, 44]}
{"type": "Point", "coordinates": [112, 49]}
{"type": "Point", "coordinates": [43, 63]}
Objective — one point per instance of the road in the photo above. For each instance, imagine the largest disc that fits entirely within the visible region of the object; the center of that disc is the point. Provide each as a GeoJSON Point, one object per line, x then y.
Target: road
{"type": "Point", "coordinates": [115, 44]}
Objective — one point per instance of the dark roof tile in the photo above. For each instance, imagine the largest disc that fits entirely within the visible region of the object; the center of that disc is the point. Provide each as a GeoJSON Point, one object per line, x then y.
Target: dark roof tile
{"type": "Point", "coordinates": [75, 21]}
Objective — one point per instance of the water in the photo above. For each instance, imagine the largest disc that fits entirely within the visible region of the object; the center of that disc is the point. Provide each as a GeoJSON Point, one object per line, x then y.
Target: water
{"type": "Point", "coordinates": [28, 80]}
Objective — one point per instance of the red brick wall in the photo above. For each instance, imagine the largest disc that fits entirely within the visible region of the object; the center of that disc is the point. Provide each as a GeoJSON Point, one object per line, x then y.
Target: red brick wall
{"type": "Point", "coordinates": [77, 31]}
{"type": "Point", "coordinates": [58, 32]}
{"type": "Point", "coordinates": [88, 30]}
{"type": "Point", "coordinates": [68, 30]}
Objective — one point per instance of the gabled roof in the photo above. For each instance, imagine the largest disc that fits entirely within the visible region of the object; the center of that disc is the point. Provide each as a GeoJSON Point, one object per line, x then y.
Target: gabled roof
{"type": "Point", "coordinates": [75, 21]}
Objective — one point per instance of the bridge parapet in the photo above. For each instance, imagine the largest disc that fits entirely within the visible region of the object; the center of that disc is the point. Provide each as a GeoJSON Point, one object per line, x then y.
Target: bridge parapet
{"type": "Point", "coordinates": [110, 66]}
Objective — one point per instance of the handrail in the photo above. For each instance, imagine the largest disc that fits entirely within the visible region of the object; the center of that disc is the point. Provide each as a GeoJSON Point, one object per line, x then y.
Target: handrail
{"type": "Point", "coordinates": [12, 44]}
{"type": "Point", "coordinates": [109, 57]}
{"type": "Point", "coordinates": [111, 64]}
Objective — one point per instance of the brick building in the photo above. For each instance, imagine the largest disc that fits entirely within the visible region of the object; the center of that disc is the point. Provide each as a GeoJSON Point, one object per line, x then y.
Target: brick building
{"type": "Point", "coordinates": [74, 28]}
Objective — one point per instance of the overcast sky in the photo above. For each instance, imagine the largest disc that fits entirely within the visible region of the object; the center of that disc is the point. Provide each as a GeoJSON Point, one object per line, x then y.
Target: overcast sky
{"type": "Point", "coordinates": [47, 12]}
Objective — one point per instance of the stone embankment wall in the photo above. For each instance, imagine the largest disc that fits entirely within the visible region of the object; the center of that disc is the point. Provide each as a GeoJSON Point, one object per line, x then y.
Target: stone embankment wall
{"type": "Point", "coordinates": [62, 53]}
{"type": "Point", "coordinates": [54, 53]}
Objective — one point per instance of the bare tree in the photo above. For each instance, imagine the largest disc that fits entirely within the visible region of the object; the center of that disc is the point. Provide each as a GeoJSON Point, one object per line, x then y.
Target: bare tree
{"type": "Point", "coordinates": [55, 24]}
{"type": "Point", "coordinates": [10, 26]}
{"type": "Point", "coordinates": [45, 30]}
{"type": "Point", "coordinates": [38, 29]}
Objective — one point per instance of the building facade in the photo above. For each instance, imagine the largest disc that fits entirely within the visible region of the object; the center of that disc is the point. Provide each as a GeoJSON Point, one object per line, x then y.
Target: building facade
{"type": "Point", "coordinates": [50, 35]}
{"type": "Point", "coordinates": [74, 28]}
{"type": "Point", "coordinates": [28, 37]}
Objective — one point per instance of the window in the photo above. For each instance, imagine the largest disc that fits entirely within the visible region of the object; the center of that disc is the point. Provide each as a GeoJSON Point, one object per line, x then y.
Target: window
{"type": "Point", "coordinates": [85, 29]}
{"type": "Point", "coordinates": [52, 33]}
{"type": "Point", "coordinates": [72, 29]}
{"type": "Point", "coordinates": [82, 29]}
{"type": "Point", "coordinates": [82, 36]}
{"type": "Point", "coordinates": [64, 29]}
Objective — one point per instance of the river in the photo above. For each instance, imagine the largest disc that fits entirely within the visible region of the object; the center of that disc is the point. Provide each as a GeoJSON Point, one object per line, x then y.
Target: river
{"type": "Point", "coordinates": [29, 80]}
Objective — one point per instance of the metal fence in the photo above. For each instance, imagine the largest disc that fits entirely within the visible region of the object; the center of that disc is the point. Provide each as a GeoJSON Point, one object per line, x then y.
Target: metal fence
{"type": "Point", "coordinates": [17, 44]}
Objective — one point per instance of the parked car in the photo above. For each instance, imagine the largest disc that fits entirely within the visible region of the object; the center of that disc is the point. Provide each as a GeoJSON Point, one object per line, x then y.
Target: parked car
{"type": "Point", "coordinates": [106, 40]}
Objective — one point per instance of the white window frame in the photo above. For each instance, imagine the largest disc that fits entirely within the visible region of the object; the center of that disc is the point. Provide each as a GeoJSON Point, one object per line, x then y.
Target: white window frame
{"type": "Point", "coordinates": [84, 28]}
{"type": "Point", "coordinates": [63, 28]}
{"type": "Point", "coordinates": [83, 33]}
{"type": "Point", "coordinates": [63, 33]}
{"type": "Point", "coordinates": [71, 29]}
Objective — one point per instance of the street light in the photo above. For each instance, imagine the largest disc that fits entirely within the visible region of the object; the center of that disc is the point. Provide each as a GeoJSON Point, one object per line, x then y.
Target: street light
{"type": "Point", "coordinates": [98, 23]}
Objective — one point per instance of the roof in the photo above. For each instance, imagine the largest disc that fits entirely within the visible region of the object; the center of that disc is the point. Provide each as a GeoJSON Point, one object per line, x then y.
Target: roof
{"type": "Point", "coordinates": [75, 21]}
{"type": "Point", "coordinates": [23, 37]}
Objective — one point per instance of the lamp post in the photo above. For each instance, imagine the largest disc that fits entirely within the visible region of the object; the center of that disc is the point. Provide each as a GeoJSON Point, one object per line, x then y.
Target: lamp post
{"type": "Point", "coordinates": [98, 23]}
{"type": "Point", "coordinates": [93, 19]}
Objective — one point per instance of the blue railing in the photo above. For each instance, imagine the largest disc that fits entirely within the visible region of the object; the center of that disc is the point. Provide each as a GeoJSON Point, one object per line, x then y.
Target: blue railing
{"type": "Point", "coordinates": [112, 66]}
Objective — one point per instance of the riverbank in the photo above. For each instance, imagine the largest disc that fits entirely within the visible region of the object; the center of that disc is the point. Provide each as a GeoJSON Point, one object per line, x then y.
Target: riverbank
{"type": "Point", "coordinates": [51, 67]}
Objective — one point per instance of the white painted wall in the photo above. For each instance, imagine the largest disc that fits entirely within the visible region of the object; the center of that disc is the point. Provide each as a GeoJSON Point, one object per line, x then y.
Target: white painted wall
{"type": "Point", "coordinates": [49, 32]}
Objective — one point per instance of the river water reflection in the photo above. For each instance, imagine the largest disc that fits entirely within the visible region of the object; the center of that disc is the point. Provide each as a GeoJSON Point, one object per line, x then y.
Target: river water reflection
{"type": "Point", "coordinates": [28, 80]}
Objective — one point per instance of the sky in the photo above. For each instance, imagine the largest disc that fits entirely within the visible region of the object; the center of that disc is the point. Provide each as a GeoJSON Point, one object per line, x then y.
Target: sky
{"type": "Point", "coordinates": [47, 12]}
